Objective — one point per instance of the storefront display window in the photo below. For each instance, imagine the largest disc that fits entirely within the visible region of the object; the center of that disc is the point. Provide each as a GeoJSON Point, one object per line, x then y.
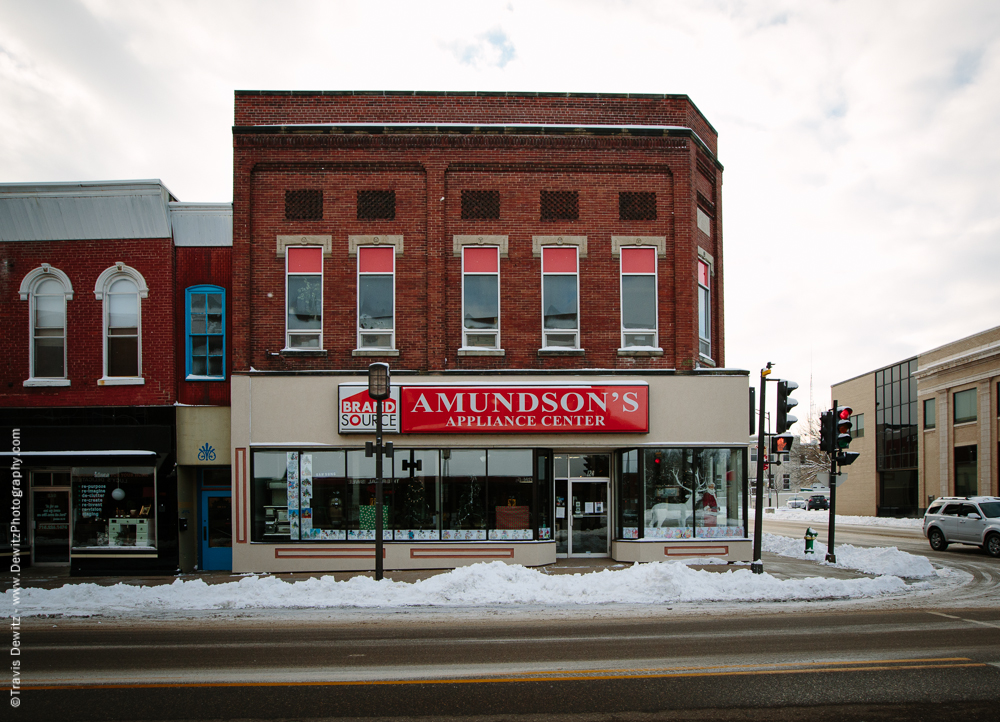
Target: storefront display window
{"type": "Point", "coordinates": [428, 494]}
{"type": "Point", "coordinates": [628, 500]}
{"type": "Point", "coordinates": [686, 493]}
{"type": "Point", "coordinates": [416, 496]}
{"type": "Point", "coordinates": [668, 485]}
{"type": "Point", "coordinates": [463, 494]}
{"type": "Point", "coordinates": [511, 490]}
{"type": "Point", "coordinates": [114, 507]}
{"type": "Point", "coordinates": [270, 496]}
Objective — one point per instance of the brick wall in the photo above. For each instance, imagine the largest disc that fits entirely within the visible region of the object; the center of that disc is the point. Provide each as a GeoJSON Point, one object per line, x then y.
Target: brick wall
{"type": "Point", "coordinates": [427, 167]}
{"type": "Point", "coordinates": [83, 262]}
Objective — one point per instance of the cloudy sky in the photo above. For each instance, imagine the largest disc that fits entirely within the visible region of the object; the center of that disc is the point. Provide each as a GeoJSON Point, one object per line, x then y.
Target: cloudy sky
{"type": "Point", "coordinates": [861, 139]}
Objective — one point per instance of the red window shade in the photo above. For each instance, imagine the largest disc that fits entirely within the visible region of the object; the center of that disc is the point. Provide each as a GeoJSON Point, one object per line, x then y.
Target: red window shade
{"type": "Point", "coordinates": [703, 273]}
{"type": "Point", "coordinates": [559, 260]}
{"type": "Point", "coordinates": [638, 260]}
{"type": "Point", "coordinates": [481, 260]}
{"type": "Point", "coordinates": [376, 260]}
{"type": "Point", "coordinates": [305, 260]}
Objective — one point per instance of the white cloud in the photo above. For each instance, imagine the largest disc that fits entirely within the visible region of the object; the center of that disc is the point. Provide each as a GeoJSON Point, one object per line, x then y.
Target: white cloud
{"type": "Point", "coordinates": [859, 138]}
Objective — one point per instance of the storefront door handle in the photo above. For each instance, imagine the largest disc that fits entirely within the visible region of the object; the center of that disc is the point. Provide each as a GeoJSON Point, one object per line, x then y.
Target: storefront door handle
{"type": "Point", "coordinates": [204, 533]}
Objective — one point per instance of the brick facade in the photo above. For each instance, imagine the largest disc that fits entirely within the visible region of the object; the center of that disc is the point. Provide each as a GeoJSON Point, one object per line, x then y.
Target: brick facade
{"type": "Point", "coordinates": [306, 141]}
{"type": "Point", "coordinates": [83, 261]}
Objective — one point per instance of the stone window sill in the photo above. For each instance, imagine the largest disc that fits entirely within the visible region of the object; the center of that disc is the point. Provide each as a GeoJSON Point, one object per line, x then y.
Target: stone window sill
{"type": "Point", "coordinates": [561, 352]}
{"type": "Point", "coordinates": [640, 352]}
{"type": "Point", "coordinates": [303, 352]}
{"type": "Point", "coordinates": [121, 381]}
{"type": "Point", "coordinates": [46, 382]}
{"type": "Point", "coordinates": [481, 352]}
{"type": "Point", "coordinates": [375, 352]}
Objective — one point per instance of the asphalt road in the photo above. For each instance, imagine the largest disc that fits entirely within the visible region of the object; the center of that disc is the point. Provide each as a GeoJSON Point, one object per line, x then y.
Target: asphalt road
{"type": "Point", "coordinates": [937, 658]}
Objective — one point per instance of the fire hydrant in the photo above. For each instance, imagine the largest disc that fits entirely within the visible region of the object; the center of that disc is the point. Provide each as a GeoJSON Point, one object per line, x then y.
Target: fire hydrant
{"type": "Point", "coordinates": [810, 538]}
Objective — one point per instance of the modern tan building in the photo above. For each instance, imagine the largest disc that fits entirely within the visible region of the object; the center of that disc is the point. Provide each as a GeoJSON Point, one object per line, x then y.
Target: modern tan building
{"type": "Point", "coordinates": [935, 430]}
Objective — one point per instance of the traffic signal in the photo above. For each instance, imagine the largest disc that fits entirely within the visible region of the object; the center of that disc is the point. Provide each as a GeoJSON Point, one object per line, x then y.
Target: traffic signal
{"type": "Point", "coordinates": [826, 431]}
{"type": "Point", "coordinates": [844, 426]}
{"type": "Point", "coordinates": [781, 444]}
{"type": "Point", "coordinates": [785, 404]}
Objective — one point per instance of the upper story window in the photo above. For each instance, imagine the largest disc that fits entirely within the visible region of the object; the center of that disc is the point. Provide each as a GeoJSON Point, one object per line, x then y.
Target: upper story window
{"type": "Point", "coordinates": [122, 289]}
{"type": "Point", "coordinates": [481, 297]}
{"type": "Point", "coordinates": [704, 308]}
{"type": "Point", "coordinates": [304, 298]}
{"type": "Point", "coordinates": [205, 325]}
{"type": "Point", "coordinates": [929, 414]}
{"type": "Point", "coordinates": [965, 406]}
{"type": "Point", "coordinates": [47, 290]}
{"type": "Point", "coordinates": [376, 297]}
{"type": "Point", "coordinates": [638, 297]}
{"type": "Point", "coordinates": [560, 297]}
{"type": "Point", "coordinates": [857, 426]}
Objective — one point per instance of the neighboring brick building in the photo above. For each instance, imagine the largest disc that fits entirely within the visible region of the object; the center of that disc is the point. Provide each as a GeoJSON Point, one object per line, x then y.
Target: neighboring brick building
{"type": "Point", "coordinates": [92, 311]}
{"type": "Point", "coordinates": [493, 248]}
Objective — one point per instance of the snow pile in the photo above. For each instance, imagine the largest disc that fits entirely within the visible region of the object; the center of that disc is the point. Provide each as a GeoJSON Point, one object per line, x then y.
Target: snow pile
{"type": "Point", "coordinates": [487, 584]}
{"type": "Point", "coordinates": [879, 560]}
{"type": "Point", "coordinates": [818, 515]}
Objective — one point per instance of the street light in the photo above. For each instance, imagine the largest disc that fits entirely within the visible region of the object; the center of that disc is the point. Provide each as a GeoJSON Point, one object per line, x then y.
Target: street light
{"type": "Point", "coordinates": [378, 389]}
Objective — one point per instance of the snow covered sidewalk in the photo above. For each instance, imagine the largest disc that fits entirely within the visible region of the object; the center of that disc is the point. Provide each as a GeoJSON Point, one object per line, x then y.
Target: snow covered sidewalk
{"type": "Point", "coordinates": [499, 584]}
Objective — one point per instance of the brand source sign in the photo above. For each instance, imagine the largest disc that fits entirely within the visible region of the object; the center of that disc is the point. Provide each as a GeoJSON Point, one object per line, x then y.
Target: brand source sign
{"type": "Point", "coordinates": [356, 410]}
{"type": "Point", "coordinates": [524, 409]}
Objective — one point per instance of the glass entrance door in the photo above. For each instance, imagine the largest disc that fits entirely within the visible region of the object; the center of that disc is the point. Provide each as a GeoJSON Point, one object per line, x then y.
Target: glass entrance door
{"type": "Point", "coordinates": [588, 518]}
{"type": "Point", "coordinates": [51, 526]}
{"type": "Point", "coordinates": [216, 530]}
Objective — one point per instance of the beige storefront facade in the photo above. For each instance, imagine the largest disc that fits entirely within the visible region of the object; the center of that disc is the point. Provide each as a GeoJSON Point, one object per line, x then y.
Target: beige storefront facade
{"type": "Point", "coordinates": [638, 467]}
{"type": "Point", "coordinates": [931, 429]}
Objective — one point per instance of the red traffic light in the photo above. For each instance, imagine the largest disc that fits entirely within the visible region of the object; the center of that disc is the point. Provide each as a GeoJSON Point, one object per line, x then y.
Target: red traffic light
{"type": "Point", "coordinates": [845, 412]}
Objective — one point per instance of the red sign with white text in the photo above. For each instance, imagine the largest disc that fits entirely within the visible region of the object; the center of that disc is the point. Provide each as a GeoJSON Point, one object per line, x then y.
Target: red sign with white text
{"type": "Point", "coordinates": [524, 409]}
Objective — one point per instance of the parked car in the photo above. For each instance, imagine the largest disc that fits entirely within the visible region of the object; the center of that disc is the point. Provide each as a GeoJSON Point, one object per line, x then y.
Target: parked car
{"type": "Point", "coordinates": [964, 520]}
{"type": "Point", "coordinates": [817, 501]}
{"type": "Point", "coordinates": [796, 502]}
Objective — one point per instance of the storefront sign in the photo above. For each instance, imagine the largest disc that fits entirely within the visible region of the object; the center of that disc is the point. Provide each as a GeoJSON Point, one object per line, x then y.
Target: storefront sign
{"type": "Point", "coordinates": [524, 409]}
{"type": "Point", "coordinates": [356, 410]}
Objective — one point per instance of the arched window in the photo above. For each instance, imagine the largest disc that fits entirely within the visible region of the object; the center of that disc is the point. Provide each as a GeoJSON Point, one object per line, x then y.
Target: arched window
{"type": "Point", "coordinates": [47, 290]}
{"type": "Point", "coordinates": [122, 289]}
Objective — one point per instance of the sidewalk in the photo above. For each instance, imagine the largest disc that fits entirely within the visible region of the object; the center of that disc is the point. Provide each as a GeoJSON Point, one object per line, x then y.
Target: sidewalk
{"type": "Point", "coordinates": [777, 566]}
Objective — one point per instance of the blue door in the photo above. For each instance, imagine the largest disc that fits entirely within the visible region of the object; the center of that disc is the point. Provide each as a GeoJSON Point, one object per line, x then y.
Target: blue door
{"type": "Point", "coordinates": [216, 546]}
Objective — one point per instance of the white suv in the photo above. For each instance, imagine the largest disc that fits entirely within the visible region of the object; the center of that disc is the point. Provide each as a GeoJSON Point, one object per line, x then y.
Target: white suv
{"type": "Point", "coordinates": [964, 520]}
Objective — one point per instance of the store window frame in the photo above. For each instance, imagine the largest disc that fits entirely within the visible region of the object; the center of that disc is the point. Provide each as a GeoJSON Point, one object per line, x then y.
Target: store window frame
{"type": "Point", "coordinates": [290, 502]}
{"type": "Point", "coordinates": [739, 500]}
{"type": "Point", "coordinates": [104, 291]}
{"type": "Point", "coordinates": [634, 264]}
{"type": "Point", "coordinates": [301, 263]}
{"type": "Point", "coordinates": [554, 269]}
{"type": "Point", "coordinates": [190, 333]}
{"type": "Point", "coordinates": [146, 508]}
{"type": "Point", "coordinates": [371, 264]}
{"type": "Point", "coordinates": [31, 287]}
{"type": "Point", "coordinates": [476, 260]}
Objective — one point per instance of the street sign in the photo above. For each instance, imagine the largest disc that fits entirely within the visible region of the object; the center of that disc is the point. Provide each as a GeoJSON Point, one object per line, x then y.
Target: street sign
{"type": "Point", "coordinates": [823, 477]}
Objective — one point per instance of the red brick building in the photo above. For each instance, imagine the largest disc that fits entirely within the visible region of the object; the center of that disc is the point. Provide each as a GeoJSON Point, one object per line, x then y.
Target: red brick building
{"type": "Point", "coordinates": [542, 272]}
{"type": "Point", "coordinates": [95, 307]}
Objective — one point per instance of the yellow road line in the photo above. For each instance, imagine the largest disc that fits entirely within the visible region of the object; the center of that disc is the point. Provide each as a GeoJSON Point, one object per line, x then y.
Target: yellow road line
{"type": "Point", "coordinates": [557, 676]}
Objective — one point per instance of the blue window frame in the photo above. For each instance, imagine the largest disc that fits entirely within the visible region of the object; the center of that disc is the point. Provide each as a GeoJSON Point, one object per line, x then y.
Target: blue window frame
{"type": "Point", "coordinates": [205, 332]}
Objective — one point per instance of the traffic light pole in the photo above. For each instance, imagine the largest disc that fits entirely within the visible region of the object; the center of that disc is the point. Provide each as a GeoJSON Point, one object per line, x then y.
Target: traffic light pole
{"type": "Point", "coordinates": [757, 566]}
{"type": "Point", "coordinates": [831, 526]}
